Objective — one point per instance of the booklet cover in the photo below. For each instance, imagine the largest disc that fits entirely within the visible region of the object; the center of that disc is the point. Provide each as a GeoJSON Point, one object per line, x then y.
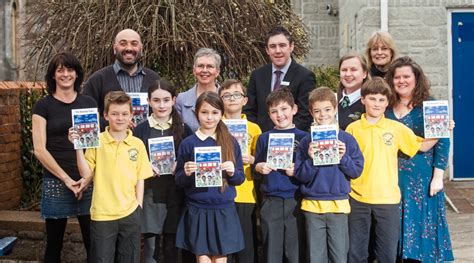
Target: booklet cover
{"type": "Point", "coordinates": [208, 173]}
{"type": "Point", "coordinates": [162, 155]}
{"type": "Point", "coordinates": [238, 129]}
{"type": "Point", "coordinates": [86, 123]}
{"type": "Point", "coordinates": [139, 106]}
{"type": "Point", "coordinates": [436, 119]}
{"type": "Point", "coordinates": [325, 145]}
{"type": "Point", "coordinates": [280, 150]}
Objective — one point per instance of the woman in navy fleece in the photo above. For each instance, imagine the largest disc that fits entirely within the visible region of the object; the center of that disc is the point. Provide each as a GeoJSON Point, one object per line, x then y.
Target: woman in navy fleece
{"type": "Point", "coordinates": [210, 226]}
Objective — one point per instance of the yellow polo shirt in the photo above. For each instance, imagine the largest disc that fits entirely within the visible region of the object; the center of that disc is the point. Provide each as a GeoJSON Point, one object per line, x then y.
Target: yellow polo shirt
{"type": "Point", "coordinates": [326, 206]}
{"type": "Point", "coordinates": [246, 191]}
{"type": "Point", "coordinates": [380, 144]}
{"type": "Point", "coordinates": [117, 167]}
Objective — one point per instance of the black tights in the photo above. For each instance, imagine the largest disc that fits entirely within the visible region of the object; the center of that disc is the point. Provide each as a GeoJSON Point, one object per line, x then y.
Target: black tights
{"type": "Point", "coordinates": [55, 229]}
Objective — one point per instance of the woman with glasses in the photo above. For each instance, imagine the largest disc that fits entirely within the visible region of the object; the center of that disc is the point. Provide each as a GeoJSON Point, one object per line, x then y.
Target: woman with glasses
{"type": "Point", "coordinates": [206, 69]}
{"type": "Point", "coordinates": [380, 53]}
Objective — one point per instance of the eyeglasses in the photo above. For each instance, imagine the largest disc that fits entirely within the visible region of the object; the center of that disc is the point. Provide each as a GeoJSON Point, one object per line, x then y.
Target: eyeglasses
{"type": "Point", "coordinates": [205, 66]}
{"type": "Point", "coordinates": [235, 96]}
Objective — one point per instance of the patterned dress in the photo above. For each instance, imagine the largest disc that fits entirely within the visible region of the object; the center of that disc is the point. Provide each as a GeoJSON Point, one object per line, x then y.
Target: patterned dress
{"type": "Point", "coordinates": [424, 234]}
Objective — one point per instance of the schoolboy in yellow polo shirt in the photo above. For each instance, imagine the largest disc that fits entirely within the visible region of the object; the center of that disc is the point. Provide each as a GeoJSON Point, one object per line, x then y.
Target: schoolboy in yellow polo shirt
{"type": "Point", "coordinates": [118, 168]}
{"type": "Point", "coordinates": [375, 194]}
{"type": "Point", "coordinates": [234, 95]}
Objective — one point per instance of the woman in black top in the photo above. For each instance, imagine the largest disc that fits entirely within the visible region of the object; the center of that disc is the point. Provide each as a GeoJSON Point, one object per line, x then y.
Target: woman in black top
{"type": "Point", "coordinates": [64, 193]}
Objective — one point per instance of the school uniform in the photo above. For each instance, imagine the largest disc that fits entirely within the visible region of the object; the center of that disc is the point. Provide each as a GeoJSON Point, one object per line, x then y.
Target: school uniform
{"type": "Point", "coordinates": [281, 217]}
{"type": "Point", "coordinates": [325, 191]}
{"type": "Point", "coordinates": [210, 224]}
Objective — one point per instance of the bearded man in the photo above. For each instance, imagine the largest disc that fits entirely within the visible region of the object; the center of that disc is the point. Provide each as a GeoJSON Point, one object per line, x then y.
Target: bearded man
{"type": "Point", "coordinates": [125, 74]}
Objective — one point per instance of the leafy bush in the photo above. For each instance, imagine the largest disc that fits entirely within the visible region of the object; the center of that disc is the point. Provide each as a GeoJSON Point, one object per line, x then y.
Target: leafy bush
{"type": "Point", "coordinates": [172, 32]}
{"type": "Point", "coordinates": [32, 168]}
{"type": "Point", "coordinates": [327, 76]}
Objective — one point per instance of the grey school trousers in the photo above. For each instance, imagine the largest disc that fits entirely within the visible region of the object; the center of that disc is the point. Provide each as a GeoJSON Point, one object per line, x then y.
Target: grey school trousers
{"type": "Point", "coordinates": [117, 240]}
{"type": "Point", "coordinates": [282, 230]}
{"type": "Point", "coordinates": [328, 237]}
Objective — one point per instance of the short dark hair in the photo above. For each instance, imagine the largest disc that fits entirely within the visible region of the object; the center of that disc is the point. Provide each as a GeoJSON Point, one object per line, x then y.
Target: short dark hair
{"type": "Point", "coordinates": [118, 97]}
{"type": "Point", "coordinates": [68, 60]}
{"type": "Point", "coordinates": [377, 85]}
{"type": "Point", "coordinates": [277, 31]}
{"type": "Point", "coordinates": [280, 95]}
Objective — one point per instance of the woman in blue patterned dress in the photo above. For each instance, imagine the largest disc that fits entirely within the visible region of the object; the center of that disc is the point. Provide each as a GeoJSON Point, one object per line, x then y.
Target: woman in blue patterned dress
{"type": "Point", "coordinates": [424, 230]}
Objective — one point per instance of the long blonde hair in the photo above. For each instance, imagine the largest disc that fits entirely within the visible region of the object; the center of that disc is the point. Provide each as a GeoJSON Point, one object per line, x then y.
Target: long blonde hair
{"type": "Point", "coordinates": [384, 38]}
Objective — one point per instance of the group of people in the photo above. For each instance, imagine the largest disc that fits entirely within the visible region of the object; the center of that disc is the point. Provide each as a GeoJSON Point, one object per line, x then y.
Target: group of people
{"type": "Point", "coordinates": [383, 201]}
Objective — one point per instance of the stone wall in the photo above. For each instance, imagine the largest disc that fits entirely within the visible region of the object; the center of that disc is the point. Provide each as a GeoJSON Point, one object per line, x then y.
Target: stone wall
{"type": "Point", "coordinates": [10, 143]}
{"type": "Point", "coordinates": [323, 29]}
{"type": "Point", "coordinates": [419, 28]}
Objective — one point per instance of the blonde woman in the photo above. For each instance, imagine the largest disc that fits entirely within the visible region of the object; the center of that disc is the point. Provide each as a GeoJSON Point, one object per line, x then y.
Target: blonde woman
{"type": "Point", "coordinates": [380, 53]}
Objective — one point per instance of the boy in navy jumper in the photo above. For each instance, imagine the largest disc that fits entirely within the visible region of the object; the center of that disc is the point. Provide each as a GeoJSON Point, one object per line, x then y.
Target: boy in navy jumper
{"type": "Point", "coordinates": [282, 222]}
{"type": "Point", "coordinates": [325, 188]}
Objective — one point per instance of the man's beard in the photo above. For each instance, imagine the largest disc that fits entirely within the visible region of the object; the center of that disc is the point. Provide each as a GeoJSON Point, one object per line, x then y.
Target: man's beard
{"type": "Point", "coordinates": [128, 64]}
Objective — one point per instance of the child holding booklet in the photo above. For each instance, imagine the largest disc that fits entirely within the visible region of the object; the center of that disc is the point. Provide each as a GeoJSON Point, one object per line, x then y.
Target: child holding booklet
{"type": "Point", "coordinates": [162, 200]}
{"type": "Point", "coordinates": [325, 188]}
{"type": "Point", "coordinates": [234, 95]}
{"type": "Point", "coordinates": [209, 226]}
{"type": "Point", "coordinates": [375, 194]}
{"type": "Point", "coordinates": [118, 168]}
{"type": "Point", "coordinates": [282, 221]}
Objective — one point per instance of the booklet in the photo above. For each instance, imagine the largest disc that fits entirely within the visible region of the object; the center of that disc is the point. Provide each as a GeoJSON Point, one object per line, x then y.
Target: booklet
{"type": "Point", "coordinates": [208, 173]}
{"type": "Point", "coordinates": [86, 123]}
{"type": "Point", "coordinates": [238, 129]}
{"type": "Point", "coordinates": [139, 106]}
{"type": "Point", "coordinates": [325, 145]}
{"type": "Point", "coordinates": [280, 150]}
{"type": "Point", "coordinates": [162, 155]}
{"type": "Point", "coordinates": [436, 119]}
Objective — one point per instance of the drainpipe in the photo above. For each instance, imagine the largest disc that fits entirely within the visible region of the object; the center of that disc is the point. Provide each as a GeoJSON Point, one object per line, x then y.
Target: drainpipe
{"type": "Point", "coordinates": [384, 15]}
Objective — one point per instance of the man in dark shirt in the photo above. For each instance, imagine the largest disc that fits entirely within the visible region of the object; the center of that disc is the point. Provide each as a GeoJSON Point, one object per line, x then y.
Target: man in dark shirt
{"type": "Point", "coordinates": [125, 74]}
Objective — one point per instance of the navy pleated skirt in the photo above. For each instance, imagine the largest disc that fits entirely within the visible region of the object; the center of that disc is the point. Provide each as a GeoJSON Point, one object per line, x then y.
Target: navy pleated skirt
{"type": "Point", "coordinates": [210, 231]}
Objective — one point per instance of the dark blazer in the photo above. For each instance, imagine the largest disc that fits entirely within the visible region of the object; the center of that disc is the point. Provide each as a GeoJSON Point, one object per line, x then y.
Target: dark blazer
{"type": "Point", "coordinates": [105, 80]}
{"type": "Point", "coordinates": [302, 81]}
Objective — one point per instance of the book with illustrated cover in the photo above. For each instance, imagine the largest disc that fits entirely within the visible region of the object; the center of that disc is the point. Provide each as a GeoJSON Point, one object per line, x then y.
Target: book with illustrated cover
{"type": "Point", "coordinates": [208, 160]}
{"type": "Point", "coordinates": [280, 150]}
{"type": "Point", "coordinates": [325, 144]}
{"type": "Point", "coordinates": [238, 129]}
{"type": "Point", "coordinates": [86, 124]}
{"type": "Point", "coordinates": [436, 119]}
{"type": "Point", "coordinates": [162, 155]}
{"type": "Point", "coordinates": [139, 106]}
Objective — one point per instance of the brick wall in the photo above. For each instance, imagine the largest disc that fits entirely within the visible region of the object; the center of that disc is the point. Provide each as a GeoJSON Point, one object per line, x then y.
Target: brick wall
{"type": "Point", "coordinates": [10, 143]}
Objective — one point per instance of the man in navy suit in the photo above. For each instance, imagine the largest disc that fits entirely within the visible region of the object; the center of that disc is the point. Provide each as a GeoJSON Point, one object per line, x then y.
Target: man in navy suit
{"type": "Point", "coordinates": [282, 72]}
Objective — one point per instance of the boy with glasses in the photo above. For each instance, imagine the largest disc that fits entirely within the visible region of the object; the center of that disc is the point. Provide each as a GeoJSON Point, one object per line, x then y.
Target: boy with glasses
{"type": "Point", "coordinates": [233, 93]}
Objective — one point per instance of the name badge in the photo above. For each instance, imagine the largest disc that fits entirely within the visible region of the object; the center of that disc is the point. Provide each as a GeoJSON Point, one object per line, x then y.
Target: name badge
{"type": "Point", "coordinates": [285, 83]}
